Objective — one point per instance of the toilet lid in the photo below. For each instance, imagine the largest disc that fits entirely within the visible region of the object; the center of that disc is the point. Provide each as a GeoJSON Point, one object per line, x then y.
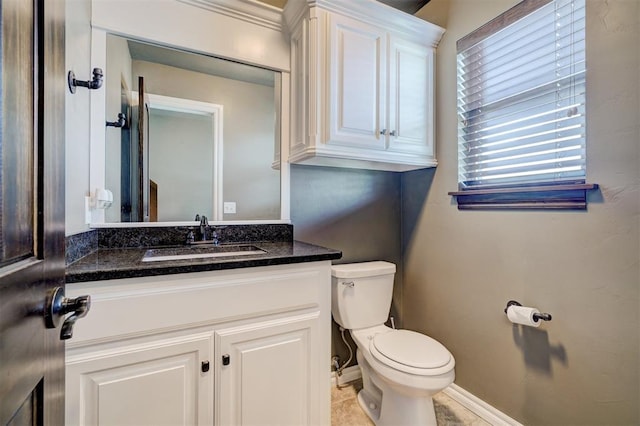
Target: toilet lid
{"type": "Point", "coordinates": [411, 349]}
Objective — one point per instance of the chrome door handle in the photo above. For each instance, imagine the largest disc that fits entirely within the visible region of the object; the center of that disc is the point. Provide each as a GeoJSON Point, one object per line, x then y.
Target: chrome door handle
{"type": "Point", "coordinates": [383, 131]}
{"type": "Point", "coordinates": [57, 306]}
{"type": "Point", "coordinates": [393, 133]}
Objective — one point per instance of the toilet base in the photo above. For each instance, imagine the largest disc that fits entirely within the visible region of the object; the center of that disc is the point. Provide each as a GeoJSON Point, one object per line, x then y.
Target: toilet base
{"type": "Point", "coordinates": [370, 407]}
{"type": "Point", "coordinates": [386, 406]}
{"type": "Point", "coordinates": [398, 410]}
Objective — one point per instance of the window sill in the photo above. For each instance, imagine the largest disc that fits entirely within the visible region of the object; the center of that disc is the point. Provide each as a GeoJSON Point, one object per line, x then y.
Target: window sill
{"type": "Point", "coordinates": [545, 197]}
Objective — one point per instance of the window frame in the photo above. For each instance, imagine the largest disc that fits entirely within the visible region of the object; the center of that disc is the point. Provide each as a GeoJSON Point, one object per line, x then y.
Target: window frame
{"type": "Point", "coordinates": [570, 194]}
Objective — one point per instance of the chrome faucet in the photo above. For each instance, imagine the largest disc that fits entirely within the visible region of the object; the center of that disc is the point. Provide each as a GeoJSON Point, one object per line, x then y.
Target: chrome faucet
{"type": "Point", "coordinates": [204, 228]}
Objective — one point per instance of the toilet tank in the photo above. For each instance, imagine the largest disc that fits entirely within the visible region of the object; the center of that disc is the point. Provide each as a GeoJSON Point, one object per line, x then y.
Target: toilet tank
{"type": "Point", "coordinates": [361, 293]}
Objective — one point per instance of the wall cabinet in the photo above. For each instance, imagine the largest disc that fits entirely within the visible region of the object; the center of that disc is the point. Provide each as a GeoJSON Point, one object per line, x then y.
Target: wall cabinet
{"type": "Point", "coordinates": [362, 86]}
{"type": "Point", "coordinates": [238, 347]}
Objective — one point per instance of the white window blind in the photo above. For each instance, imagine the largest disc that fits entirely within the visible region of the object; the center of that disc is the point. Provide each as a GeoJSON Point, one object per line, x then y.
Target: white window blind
{"type": "Point", "coordinates": [521, 100]}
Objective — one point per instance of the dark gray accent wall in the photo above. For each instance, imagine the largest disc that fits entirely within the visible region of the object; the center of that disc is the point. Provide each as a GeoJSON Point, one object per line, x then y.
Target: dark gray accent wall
{"type": "Point", "coordinates": [356, 211]}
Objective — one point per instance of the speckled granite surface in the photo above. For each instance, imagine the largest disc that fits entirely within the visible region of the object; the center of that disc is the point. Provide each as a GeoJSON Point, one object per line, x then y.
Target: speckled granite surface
{"type": "Point", "coordinates": [166, 236]}
{"type": "Point", "coordinates": [80, 245]}
{"type": "Point", "coordinates": [114, 263]}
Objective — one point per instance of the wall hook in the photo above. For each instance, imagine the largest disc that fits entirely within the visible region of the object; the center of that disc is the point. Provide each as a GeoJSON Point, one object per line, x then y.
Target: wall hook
{"type": "Point", "coordinates": [121, 122]}
{"type": "Point", "coordinates": [96, 83]}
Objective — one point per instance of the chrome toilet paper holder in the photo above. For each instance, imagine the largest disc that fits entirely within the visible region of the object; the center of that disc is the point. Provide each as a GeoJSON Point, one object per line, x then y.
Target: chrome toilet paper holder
{"type": "Point", "coordinates": [536, 317]}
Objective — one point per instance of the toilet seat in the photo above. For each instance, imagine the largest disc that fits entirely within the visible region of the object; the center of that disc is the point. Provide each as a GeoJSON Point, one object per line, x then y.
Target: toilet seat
{"type": "Point", "coordinates": [411, 352]}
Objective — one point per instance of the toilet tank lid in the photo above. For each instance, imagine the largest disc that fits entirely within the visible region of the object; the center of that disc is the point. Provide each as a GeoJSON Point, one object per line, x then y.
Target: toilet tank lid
{"type": "Point", "coordinates": [363, 269]}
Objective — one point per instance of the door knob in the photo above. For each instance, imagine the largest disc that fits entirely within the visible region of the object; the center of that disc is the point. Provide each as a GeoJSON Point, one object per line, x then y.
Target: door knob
{"type": "Point", "coordinates": [57, 306]}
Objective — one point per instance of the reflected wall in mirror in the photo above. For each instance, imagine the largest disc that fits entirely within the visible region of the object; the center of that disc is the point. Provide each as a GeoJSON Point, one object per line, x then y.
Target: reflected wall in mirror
{"type": "Point", "coordinates": [211, 136]}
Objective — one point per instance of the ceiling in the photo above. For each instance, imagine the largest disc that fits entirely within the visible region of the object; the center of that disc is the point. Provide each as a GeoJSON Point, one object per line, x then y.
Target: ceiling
{"type": "Point", "coordinates": [408, 6]}
{"type": "Point", "coordinates": [199, 63]}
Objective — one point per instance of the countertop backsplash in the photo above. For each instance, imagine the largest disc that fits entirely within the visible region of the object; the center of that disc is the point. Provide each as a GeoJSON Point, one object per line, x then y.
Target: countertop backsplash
{"type": "Point", "coordinates": [83, 244]}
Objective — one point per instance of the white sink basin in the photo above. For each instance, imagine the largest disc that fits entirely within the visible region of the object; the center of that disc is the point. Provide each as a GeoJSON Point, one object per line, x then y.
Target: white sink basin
{"type": "Point", "coordinates": [188, 253]}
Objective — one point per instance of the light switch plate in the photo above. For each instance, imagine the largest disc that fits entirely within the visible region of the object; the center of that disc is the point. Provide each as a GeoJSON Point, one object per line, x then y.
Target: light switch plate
{"type": "Point", "coordinates": [229, 207]}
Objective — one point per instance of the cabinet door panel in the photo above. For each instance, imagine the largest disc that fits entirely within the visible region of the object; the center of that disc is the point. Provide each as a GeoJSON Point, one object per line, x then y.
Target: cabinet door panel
{"type": "Point", "coordinates": [411, 97]}
{"type": "Point", "coordinates": [267, 379]}
{"type": "Point", "coordinates": [358, 55]}
{"type": "Point", "coordinates": [142, 384]}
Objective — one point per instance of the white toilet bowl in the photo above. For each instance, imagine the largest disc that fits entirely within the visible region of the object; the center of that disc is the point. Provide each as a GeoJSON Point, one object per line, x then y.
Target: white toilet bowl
{"type": "Point", "coordinates": [401, 371]}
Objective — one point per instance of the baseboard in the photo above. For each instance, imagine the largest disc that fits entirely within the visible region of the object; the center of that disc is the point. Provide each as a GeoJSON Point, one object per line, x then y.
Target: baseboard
{"type": "Point", "coordinates": [479, 407]}
{"type": "Point", "coordinates": [349, 374]}
{"type": "Point", "coordinates": [469, 401]}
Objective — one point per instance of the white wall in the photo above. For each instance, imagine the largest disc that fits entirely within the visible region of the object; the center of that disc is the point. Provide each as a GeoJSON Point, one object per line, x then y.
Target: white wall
{"type": "Point", "coordinates": [77, 58]}
{"type": "Point", "coordinates": [200, 28]}
{"type": "Point", "coordinates": [461, 267]}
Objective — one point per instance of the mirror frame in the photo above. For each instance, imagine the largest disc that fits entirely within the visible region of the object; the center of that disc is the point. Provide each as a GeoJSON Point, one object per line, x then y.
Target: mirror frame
{"type": "Point", "coordinates": [259, 27]}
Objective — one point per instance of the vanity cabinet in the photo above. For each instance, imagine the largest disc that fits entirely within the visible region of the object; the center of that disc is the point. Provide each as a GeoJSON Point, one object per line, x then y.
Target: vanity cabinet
{"type": "Point", "coordinates": [142, 382]}
{"type": "Point", "coordinates": [237, 347]}
{"type": "Point", "coordinates": [266, 372]}
{"type": "Point", "coordinates": [362, 86]}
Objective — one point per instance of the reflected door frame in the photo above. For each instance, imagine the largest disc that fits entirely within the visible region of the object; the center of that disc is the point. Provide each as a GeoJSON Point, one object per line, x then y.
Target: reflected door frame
{"type": "Point", "coordinates": [216, 113]}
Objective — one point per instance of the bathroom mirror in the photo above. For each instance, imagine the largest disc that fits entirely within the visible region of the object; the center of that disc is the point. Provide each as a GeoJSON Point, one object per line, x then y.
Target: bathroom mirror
{"type": "Point", "coordinates": [201, 136]}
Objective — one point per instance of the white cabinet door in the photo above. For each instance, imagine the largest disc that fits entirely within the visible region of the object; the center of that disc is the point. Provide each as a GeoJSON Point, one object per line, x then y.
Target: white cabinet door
{"type": "Point", "coordinates": [159, 382]}
{"type": "Point", "coordinates": [411, 97]}
{"type": "Point", "coordinates": [357, 65]}
{"type": "Point", "coordinates": [264, 374]}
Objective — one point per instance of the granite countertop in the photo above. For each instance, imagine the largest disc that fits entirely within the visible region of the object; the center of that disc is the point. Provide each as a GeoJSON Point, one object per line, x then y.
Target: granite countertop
{"type": "Point", "coordinates": [115, 263]}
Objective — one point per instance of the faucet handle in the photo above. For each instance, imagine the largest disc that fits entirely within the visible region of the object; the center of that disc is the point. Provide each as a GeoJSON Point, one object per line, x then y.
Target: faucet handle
{"type": "Point", "coordinates": [191, 238]}
{"type": "Point", "coordinates": [197, 217]}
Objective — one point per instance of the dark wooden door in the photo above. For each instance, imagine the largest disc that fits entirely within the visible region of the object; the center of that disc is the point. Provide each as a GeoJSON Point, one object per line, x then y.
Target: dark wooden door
{"type": "Point", "coordinates": [32, 85]}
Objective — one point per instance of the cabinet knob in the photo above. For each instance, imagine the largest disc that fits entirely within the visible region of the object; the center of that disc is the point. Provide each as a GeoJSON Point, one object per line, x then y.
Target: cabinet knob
{"type": "Point", "coordinates": [393, 133]}
{"type": "Point", "coordinates": [204, 366]}
{"type": "Point", "coordinates": [383, 131]}
{"type": "Point", "coordinates": [226, 359]}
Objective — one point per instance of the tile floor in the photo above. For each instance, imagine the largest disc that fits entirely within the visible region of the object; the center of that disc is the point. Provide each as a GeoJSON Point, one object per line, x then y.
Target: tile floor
{"type": "Point", "coordinates": [345, 410]}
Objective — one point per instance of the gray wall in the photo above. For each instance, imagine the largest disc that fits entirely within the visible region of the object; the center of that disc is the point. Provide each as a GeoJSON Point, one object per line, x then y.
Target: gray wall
{"type": "Point", "coordinates": [461, 268]}
{"type": "Point", "coordinates": [356, 211]}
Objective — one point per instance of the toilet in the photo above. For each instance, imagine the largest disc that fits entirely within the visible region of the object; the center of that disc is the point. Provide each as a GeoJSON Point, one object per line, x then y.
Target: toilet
{"type": "Point", "coordinates": [401, 369]}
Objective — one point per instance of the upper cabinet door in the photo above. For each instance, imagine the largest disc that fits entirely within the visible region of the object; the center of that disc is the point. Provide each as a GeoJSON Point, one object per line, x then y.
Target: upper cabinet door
{"type": "Point", "coordinates": [362, 86]}
{"type": "Point", "coordinates": [357, 65]}
{"type": "Point", "coordinates": [411, 99]}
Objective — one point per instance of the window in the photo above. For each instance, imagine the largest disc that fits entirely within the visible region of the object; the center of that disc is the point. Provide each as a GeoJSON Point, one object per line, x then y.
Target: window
{"type": "Point", "coordinates": [521, 109]}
